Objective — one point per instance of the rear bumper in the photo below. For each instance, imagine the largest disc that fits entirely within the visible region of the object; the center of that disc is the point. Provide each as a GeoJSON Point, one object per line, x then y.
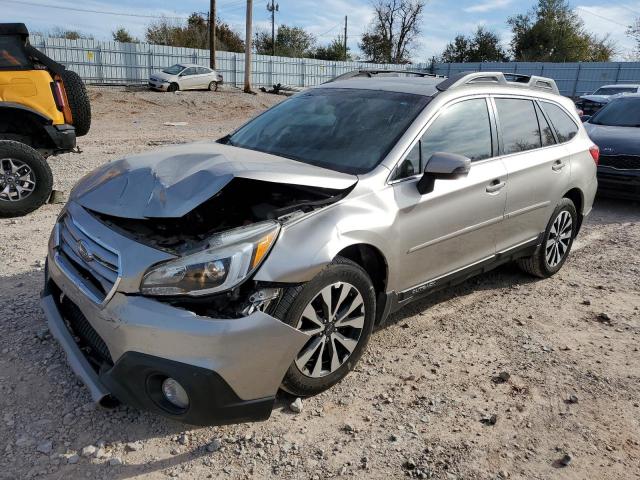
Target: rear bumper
{"type": "Point", "coordinates": [617, 183]}
{"type": "Point", "coordinates": [63, 137]}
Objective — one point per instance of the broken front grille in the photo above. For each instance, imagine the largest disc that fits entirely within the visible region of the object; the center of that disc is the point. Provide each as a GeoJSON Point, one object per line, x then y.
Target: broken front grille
{"type": "Point", "coordinates": [621, 162]}
{"type": "Point", "coordinates": [91, 265]}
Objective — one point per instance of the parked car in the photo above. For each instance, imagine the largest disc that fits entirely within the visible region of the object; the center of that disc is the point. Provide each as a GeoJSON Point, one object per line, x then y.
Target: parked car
{"type": "Point", "coordinates": [590, 104]}
{"type": "Point", "coordinates": [43, 108]}
{"type": "Point", "coordinates": [198, 280]}
{"type": "Point", "coordinates": [616, 130]}
{"type": "Point", "coordinates": [185, 76]}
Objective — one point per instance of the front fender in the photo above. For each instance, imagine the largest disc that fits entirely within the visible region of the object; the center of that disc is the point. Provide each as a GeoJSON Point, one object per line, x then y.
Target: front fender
{"type": "Point", "coordinates": [306, 246]}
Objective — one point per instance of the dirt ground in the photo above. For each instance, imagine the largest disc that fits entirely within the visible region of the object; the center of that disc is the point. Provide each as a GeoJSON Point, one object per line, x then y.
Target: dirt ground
{"type": "Point", "coordinates": [501, 377]}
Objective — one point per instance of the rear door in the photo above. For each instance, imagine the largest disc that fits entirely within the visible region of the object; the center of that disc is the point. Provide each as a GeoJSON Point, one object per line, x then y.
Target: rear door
{"type": "Point", "coordinates": [455, 225]}
{"type": "Point", "coordinates": [538, 169]}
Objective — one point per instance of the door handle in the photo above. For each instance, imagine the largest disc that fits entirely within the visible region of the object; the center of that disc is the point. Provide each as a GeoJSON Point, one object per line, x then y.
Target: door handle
{"type": "Point", "coordinates": [558, 165]}
{"type": "Point", "coordinates": [495, 186]}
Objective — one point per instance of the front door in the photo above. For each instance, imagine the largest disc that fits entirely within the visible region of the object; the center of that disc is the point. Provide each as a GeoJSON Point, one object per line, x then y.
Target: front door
{"type": "Point", "coordinates": [456, 224]}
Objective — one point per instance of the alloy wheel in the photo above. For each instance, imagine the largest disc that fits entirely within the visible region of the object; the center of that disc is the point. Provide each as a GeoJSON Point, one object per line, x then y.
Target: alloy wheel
{"type": "Point", "coordinates": [334, 319]}
{"type": "Point", "coordinates": [559, 239]}
{"type": "Point", "coordinates": [17, 180]}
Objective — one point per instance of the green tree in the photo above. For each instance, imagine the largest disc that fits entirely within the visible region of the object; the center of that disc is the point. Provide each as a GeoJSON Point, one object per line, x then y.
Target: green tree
{"type": "Point", "coordinates": [553, 32]}
{"type": "Point", "coordinates": [334, 51]}
{"type": "Point", "coordinates": [59, 32]}
{"type": "Point", "coordinates": [193, 34]}
{"type": "Point", "coordinates": [290, 42]}
{"type": "Point", "coordinates": [122, 35]}
{"type": "Point", "coordinates": [393, 30]}
{"type": "Point", "coordinates": [483, 46]}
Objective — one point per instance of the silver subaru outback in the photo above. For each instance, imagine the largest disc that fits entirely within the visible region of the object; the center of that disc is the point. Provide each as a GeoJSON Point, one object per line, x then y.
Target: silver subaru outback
{"type": "Point", "coordinates": [198, 280]}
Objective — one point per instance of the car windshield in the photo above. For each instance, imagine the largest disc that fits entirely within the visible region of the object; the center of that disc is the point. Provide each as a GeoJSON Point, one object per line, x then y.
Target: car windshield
{"type": "Point", "coordinates": [174, 69]}
{"type": "Point", "coordinates": [615, 90]}
{"type": "Point", "coordinates": [622, 112]}
{"type": "Point", "coordinates": [348, 130]}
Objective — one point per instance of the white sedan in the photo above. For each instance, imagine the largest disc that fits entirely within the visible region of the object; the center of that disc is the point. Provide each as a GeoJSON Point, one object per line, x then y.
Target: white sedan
{"type": "Point", "coordinates": [185, 76]}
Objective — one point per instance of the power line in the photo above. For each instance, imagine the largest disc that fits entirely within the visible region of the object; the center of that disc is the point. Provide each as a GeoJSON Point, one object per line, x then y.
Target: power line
{"type": "Point", "coordinates": [101, 12]}
{"type": "Point", "coordinates": [602, 17]}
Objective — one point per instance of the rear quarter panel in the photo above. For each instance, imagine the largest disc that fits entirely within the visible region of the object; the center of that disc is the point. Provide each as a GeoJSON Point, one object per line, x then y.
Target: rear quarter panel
{"type": "Point", "coordinates": [30, 88]}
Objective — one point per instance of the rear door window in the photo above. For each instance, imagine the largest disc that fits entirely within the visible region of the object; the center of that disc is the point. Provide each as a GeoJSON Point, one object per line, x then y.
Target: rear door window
{"type": "Point", "coordinates": [518, 125]}
{"type": "Point", "coordinates": [565, 127]}
{"type": "Point", "coordinates": [12, 54]}
{"type": "Point", "coordinates": [546, 130]}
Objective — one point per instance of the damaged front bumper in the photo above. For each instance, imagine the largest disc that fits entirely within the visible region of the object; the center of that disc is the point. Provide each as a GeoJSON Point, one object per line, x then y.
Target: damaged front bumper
{"type": "Point", "coordinates": [124, 346]}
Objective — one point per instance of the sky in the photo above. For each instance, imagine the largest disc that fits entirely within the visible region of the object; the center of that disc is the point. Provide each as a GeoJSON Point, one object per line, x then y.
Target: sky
{"type": "Point", "coordinates": [443, 19]}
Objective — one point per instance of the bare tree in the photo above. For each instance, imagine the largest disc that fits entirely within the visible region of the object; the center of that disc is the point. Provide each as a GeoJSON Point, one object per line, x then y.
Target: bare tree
{"type": "Point", "coordinates": [393, 31]}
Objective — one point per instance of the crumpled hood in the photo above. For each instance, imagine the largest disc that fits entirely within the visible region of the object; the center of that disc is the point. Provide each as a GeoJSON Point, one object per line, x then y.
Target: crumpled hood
{"type": "Point", "coordinates": [171, 182]}
{"type": "Point", "coordinates": [615, 140]}
{"type": "Point", "coordinates": [597, 98]}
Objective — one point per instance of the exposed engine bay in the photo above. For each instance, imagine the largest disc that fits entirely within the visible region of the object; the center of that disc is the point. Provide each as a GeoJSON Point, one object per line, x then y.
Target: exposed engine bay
{"type": "Point", "coordinates": [241, 202]}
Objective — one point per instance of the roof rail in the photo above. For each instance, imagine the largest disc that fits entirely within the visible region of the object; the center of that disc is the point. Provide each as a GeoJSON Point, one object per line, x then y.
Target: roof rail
{"type": "Point", "coordinates": [498, 78]}
{"type": "Point", "coordinates": [372, 73]}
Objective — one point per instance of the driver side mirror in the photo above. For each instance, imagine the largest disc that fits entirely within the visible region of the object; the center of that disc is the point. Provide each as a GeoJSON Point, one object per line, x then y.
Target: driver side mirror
{"type": "Point", "coordinates": [443, 166]}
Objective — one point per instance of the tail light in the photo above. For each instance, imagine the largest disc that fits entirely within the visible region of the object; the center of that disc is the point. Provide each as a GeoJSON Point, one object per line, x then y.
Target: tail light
{"type": "Point", "coordinates": [60, 96]}
{"type": "Point", "coordinates": [595, 153]}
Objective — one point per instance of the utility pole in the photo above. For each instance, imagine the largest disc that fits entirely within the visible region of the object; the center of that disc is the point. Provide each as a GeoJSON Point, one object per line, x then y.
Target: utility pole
{"type": "Point", "coordinates": [212, 34]}
{"type": "Point", "coordinates": [247, 48]}
{"type": "Point", "coordinates": [345, 38]}
{"type": "Point", "coordinates": [273, 8]}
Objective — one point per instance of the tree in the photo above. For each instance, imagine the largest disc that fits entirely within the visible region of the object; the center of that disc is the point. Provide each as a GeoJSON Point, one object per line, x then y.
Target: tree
{"type": "Point", "coordinates": [122, 35]}
{"type": "Point", "coordinates": [553, 32]}
{"type": "Point", "coordinates": [634, 32]}
{"type": "Point", "coordinates": [59, 32]}
{"type": "Point", "coordinates": [334, 51]}
{"type": "Point", "coordinates": [456, 51]}
{"type": "Point", "coordinates": [290, 42]}
{"type": "Point", "coordinates": [193, 34]}
{"type": "Point", "coordinates": [483, 46]}
{"type": "Point", "coordinates": [393, 30]}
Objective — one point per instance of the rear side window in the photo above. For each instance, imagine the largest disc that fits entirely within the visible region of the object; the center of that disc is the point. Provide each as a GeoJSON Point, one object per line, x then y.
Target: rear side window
{"type": "Point", "coordinates": [545, 129]}
{"type": "Point", "coordinates": [565, 127]}
{"type": "Point", "coordinates": [518, 124]}
{"type": "Point", "coordinates": [12, 54]}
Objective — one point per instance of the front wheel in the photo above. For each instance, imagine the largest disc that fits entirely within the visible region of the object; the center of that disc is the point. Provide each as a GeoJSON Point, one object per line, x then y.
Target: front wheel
{"type": "Point", "coordinates": [556, 242]}
{"type": "Point", "coordinates": [336, 310]}
{"type": "Point", "coordinates": [173, 87]}
{"type": "Point", "coordinates": [25, 179]}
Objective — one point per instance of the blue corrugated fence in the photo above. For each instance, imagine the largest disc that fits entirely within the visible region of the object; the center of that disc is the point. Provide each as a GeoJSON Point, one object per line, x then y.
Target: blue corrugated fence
{"type": "Point", "coordinates": [101, 62]}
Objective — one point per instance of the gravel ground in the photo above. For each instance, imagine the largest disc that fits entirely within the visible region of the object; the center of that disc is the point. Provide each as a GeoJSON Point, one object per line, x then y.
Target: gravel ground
{"type": "Point", "coordinates": [502, 377]}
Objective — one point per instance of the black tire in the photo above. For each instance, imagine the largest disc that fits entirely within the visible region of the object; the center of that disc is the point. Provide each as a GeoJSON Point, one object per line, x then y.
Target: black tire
{"type": "Point", "coordinates": [213, 87]}
{"type": "Point", "coordinates": [173, 87]}
{"type": "Point", "coordinates": [537, 264]}
{"type": "Point", "coordinates": [79, 103]}
{"type": "Point", "coordinates": [293, 302]}
{"type": "Point", "coordinates": [41, 171]}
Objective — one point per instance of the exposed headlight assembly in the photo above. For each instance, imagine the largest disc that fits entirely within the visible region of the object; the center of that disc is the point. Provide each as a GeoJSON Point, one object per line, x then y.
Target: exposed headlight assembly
{"type": "Point", "coordinates": [230, 258]}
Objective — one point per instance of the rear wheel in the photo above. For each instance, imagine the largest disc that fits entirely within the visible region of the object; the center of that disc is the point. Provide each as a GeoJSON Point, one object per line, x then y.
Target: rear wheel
{"type": "Point", "coordinates": [213, 86]}
{"type": "Point", "coordinates": [556, 242]}
{"type": "Point", "coordinates": [337, 310]}
{"type": "Point", "coordinates": [79, 103]}
{"type": "Point", "coordinates": [25, 179]}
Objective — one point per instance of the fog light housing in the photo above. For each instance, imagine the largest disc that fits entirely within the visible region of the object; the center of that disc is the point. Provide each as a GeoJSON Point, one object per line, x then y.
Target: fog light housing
{"type": "Point", "coordinates": [175, 393]}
